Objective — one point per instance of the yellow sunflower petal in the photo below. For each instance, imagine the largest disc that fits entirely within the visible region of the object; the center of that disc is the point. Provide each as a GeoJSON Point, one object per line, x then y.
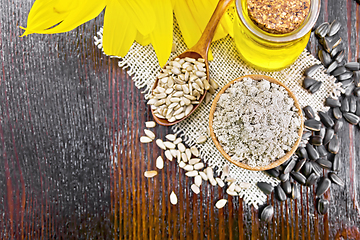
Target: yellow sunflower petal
{"type": "Point", "coordinates": [141, 39]}
{"type": "Point", "coordinates": [188, 26]}
{"type": "Point", "coordinates": [162, 35]}
{"type": "Point", "coordinates": [61, 15]}
{"type": "Point", "coordinates": [119, 31]}
{"type": "Point", "coordinates": [141, 14]}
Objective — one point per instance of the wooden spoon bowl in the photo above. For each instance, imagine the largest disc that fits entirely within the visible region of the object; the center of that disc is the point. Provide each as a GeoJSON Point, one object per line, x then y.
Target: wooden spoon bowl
{"type": "Point", "coordinates": [243, 165]}
{"type": "Point", "coordinates": [199, 50]}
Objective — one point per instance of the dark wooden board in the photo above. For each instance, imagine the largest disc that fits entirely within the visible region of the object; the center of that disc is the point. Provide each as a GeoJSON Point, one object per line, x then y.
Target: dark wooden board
{"type": "Point", "coordinates": [72, 164]}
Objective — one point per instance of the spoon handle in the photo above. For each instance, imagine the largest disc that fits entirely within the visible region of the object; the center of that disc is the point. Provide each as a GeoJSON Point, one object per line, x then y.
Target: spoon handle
{"type": "Point", "coordinates": [202, 46]}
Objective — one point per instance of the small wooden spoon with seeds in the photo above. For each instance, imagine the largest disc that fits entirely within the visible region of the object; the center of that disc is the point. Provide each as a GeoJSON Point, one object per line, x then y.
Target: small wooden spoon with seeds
{"type": "Point", "coordinates": [199, 50]}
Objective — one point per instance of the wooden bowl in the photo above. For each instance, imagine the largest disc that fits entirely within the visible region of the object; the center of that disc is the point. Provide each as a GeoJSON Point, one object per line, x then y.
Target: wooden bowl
{"type": "Point", "coordinates": [243, 165]}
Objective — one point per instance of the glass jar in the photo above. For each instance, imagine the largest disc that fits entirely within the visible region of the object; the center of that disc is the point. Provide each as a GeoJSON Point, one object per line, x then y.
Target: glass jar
{"type": "Point", "coordinates": [268, 51]}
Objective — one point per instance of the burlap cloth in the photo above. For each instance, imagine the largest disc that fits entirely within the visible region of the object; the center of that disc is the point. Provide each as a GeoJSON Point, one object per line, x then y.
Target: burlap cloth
{"type": "Point", "coordinates": [141, 63]}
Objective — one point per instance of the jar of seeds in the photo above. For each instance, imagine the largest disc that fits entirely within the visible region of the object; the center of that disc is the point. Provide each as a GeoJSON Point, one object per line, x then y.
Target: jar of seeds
{"type": "Point", "coordinates": [271, 34]}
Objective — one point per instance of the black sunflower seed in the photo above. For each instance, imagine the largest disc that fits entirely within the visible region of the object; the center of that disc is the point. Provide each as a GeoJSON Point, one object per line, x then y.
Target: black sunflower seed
{"type": "Point", "coordinates": [336, 50]}
{"type": "Point", "coordinates": [286, 186]}
{"type": "Point", "coordinates": [322, 30]}
{"type": "Point", "coordinates": [328, 135]}
{"type": "Point", "coordinates": [284, 177]}
{"type": "Point", "coordinates": [307, 169]}
{"type": "Point", "coordinates": [331, 102]}
{"type": "Point", "coordinates": [310, 71]}
{"type": "Point", "coordinates": [356, 78]}
{"type": "Point", "coordinates": [316, 140]}
{"type": "Point", "coordinates": [352, 66]}
{"type": "Point", "coordinates": [333, 41]}
{"type": "Point", "coordinates": [357, 91]}
{"type": "Point", "coordinates": [322, 206]}
{"type": "Point", "coordinates": [299, 164]}
{"type": "Point", "coordinates": [326, 119]}
{"type": "Point", "coordinates": [295, 191]}
{"type": "Point", "coordinates": [321, 133]}
{"type": "Point", "coordinates": [316, 168]}
{"type": "Point", "coordinates": [344, 76]}
{"type": "Point", "coordinates": [336, 163]}
{"type": "Point", "coordinates": [345, 105]}
{"type": "Point", "coordinates": [302, 153]}
{"type": "Point", "coordinates": [334, 145]}
{"type": "Point", "coordinates": [352, 104]}
{"type": "Point", "coordinates": [308, 82]}
{"type": "Point", "coordinates": [347, 83]}
{"type": "Point", "coordinates": [306, 135]}
{"type": "Point", "coordinates": [315, 87]}
{"type": "Point", "coordinates": [325, 58]}
{"type": "Point", "coordinates": [273, 172]}
{"type": "Point", "coordinates": [351, 118]}
{"type": "Point", "coordinates": [336, 179]}
{"type": "Point", "coordinates": [332, 67]}
{"type": "Point", "coordinates": [338, 71]}
{"type": "Point", "coordinates": [280, 194]}
{"type": "Point", "coordinates": [267, 213]}
{"type": "Point", "coordinates": [357, 112]}
{"type": "Point", "coordinates": [309, 112]}
{"type": "Point", "coordinates": [340, 56]}
{"type": "Point", "coordinates": [326, 44]}
{"type": "Point", "coordinates": [322, 150]}
{"type": "Point", "coordinates": [349, 89]}
{"type": "Point", "coordinates": [313, 154]}
{"type": "Point", "coordinates": [338, 125]}
{"type": "Point", "coordinates": [297, 176]}
{"type": "Point", "coordinates": [311, 180]}
{"type": "Point", "coordinates": [290, 166]}
{"type": "Point", "coordinates": [312, 124]}
{"type": "Point", "coordinates": [324, 163]}
{"type": "Point", "coordinates": [337, 113]}
{"type": "Point", "coordinates": [334, 28]}
{"type": "Point", "coordinates": [323, 186]}
{"type": "Point", "coordinates": [265, 187]}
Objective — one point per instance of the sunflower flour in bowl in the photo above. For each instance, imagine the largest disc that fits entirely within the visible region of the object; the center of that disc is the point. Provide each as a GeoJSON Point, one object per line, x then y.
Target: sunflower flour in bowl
{"type": "Point", "coordinates": [256, 122]}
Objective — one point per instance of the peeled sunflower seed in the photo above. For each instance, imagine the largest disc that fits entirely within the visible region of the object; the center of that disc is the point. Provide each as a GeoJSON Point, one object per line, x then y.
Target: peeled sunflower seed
{"type": "Point", "coordinates": [194, 151]}
{"type": "Point", "coordinates": [171, 137]}
{"type": "Point", "coordinates": [159, 162]}
{"type": "Point", "coordinates": [149, 133]}
{"type": "Point", "coordinates": [192, 173]}
{"type": "Point", "coordinates": [197, 180]}
{"type": "Point", "coordinates": [168, 155]}
{"type": "Point", "coordinates": [203, 176]}
{"type": "Point", "coordinates": [150, 124]}
{"type": "Point", "coordinates": [199, 166]}
{"type": "Point", "coordinates": [173, 198]}
{"type": "Point", "coordinates": [145, 139]}
{"type": "Point", "coordinates": [231, 193]}
{"type": "Point", "coordinates": [201, 139]}
{"type": "Point", "coordinates": [160, 144]}
{"type": "Point", "coordinates": [181, 147]}
{"type": "Point", "coordinates": [267, 213]}
{"type": "Point", "coordinates": [189, 168]}
{"type": "Point", "coordinates": [169, 145]}
{"type": "Point", "coordinates": [195, 188]}
{"type": "Point", "coordinates": [150, 174]}
{"type": "Point", "coordinates": [221, 203]}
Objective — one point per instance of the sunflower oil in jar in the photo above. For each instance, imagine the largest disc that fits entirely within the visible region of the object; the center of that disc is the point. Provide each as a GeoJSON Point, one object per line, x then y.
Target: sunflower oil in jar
{"type": "Point", "coordinates": [271, 34]}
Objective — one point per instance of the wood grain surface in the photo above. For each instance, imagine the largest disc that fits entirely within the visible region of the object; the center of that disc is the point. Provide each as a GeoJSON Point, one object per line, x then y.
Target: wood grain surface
{"type": "Point", "coordinates": [72, 165]}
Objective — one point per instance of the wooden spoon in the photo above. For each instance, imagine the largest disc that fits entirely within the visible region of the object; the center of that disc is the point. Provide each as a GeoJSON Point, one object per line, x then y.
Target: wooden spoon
{"type": "Point", "coordinates": [200, 50]}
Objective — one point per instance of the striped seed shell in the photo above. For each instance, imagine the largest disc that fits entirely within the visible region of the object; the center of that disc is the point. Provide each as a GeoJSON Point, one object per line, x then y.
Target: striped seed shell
{"type": "Point", "coordinates": [265, 187]}
{"type": "Point", "coordinates": [297, 176]}
{"type": "Point", "coordinates": [310, 71]}
{"type": "Point", "coordinates": [331, 102]}
{"type": "Point", "coordinates": [334, 28]}
{"type": "Point", "coordinates": [336, 179]}
{"type": "Point", "coordinates": [322, 206]}
{"type": "Point", "coordinates": [334, 145]}
{"type": "Point", "coordinates": [322, 30]}
{"type": "Point", "coordinates": [311, 180]}
{"type": "Point", "coordinates": [326, 119]}
{"type": "Point", "coordinates": [323, 186]}
{"type": "Point", "coordinates": [309, 112]}
{"type": "Point", "coordinates": [267, 213]}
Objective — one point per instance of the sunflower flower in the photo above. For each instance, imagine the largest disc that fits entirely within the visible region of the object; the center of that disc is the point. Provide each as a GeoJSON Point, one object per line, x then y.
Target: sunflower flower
{"type": "Point", "coordinates": [126, 21]}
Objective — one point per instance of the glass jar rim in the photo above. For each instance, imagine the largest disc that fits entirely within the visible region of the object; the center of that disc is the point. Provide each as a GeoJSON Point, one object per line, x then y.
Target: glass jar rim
{"type": "Point", "coordinates": [301, 31]}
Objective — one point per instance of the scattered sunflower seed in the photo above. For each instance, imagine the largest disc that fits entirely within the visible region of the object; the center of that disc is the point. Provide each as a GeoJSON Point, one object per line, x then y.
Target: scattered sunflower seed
{"type": "Point", "coordinates": [168, 155]}
{"type": "Point", "coordinates": [220, 182]}
{"type": "Point", "coordinates": [194, 151]}
{"type": "Point", "coordinates": [169, 145]}
{"type": "Point", "coordinates": [145, 139]}
{"type": "Point", "coordinates": [192, 173]}
{"type": "Point", "coordinates": [173, 198]}
{"type": "Point", "coordinates": [201, 139]}
{"type": "Point", "coordinates": [220, 203]}
{"type": "Point", "coordinates": [195, 188]}
{"type": "Point", "coordinates": [160, 162]}
{"type": "Point", "coordinates": [150, 124]}
{"type": "Point", "coordinates": [150, 134]}
{"type": "Point", "coordinates": [198, 180]}
{"type": "Point", "coordinates": [150, 174]}
{"type": "Point", "coordinates": [160, 144]}
{"type": "Point", "coordinates": [203, 176]}
{"type": "Point", "coordinates": [171, 137]}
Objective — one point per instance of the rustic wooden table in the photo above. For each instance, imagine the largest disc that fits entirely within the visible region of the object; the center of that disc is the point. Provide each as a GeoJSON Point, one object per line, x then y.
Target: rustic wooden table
{"type": "Point", "coordinates": [72, 165]}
